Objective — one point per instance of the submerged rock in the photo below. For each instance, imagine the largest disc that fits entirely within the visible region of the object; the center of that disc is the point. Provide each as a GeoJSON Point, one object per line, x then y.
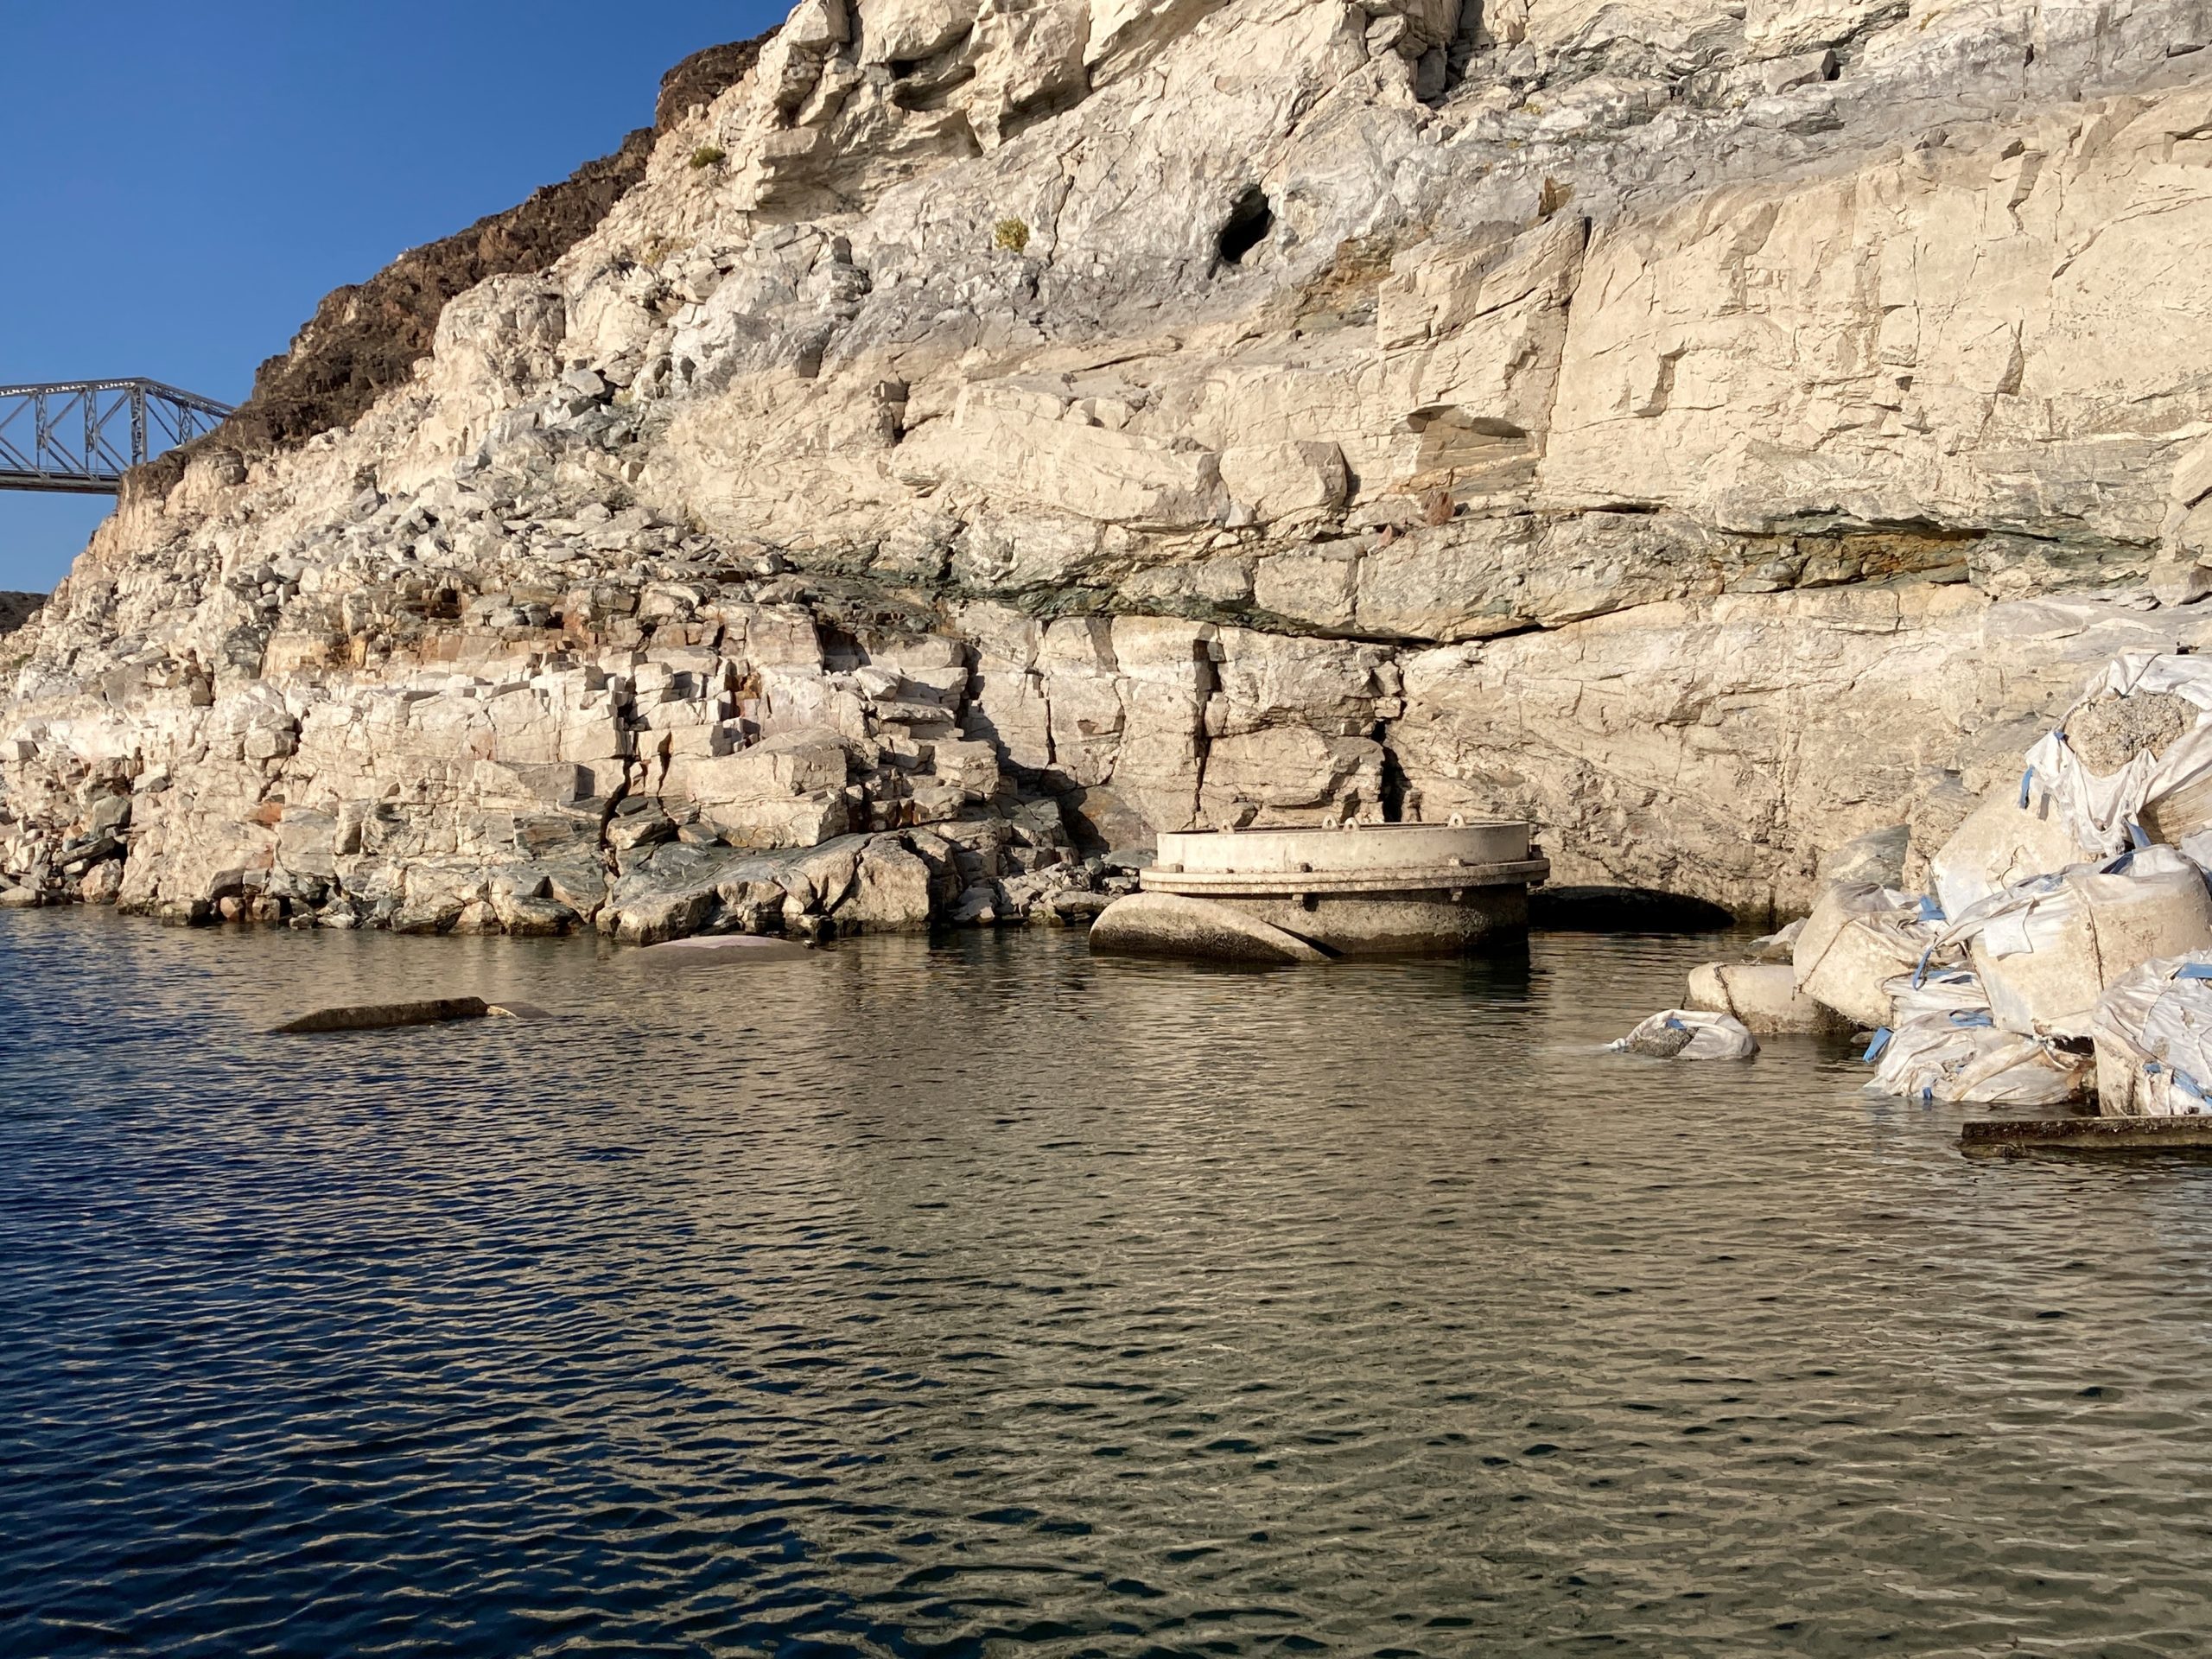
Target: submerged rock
{"type": "Point", "coordinates": [378, 1016]}
{"type": "Point", "coordinates": [432, 1011]}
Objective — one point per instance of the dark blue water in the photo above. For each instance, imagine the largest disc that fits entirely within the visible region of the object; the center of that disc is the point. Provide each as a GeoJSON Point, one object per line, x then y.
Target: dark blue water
{"type": "Point", "coordinates": [990, 1300]}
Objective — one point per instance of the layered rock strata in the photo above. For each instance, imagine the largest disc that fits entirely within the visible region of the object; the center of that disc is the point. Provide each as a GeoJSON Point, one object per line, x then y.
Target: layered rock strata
{"type": "Point", "coordinates": [988, 434]}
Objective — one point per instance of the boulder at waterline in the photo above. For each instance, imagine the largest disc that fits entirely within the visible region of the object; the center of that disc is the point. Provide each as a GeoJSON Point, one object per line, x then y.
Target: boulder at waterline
{"type": "Point", "coordinates": [379, 1016]}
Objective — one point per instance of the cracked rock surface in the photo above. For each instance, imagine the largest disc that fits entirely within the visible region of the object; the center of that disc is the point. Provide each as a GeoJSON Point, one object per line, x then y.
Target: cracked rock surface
{"type": "Point", "coordinates": [977, 436]}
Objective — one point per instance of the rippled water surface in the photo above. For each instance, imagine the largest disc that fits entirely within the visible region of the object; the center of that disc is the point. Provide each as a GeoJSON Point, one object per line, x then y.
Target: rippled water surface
{"type": "Point", "coordinates": [985, 1300]}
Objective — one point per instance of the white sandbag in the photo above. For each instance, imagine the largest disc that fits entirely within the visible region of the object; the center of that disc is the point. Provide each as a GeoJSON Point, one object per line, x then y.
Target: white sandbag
{"type": "Point", "coordinates": [1778, 946]}
{"type": "Point", "coordinates": [2168, 783]}
{"type": "Point", "coordinates": [2005, 840]}
{"type": "Point", "coordinates": [2181, 813]}
{"type": "Point", "coordinates": [2048, 947]}
{"type": "Point", "coordinates": [1763, 995]}
{"type": "Point", "coordinates": [2153, 1036]}
{"type": "Point", "coordinates": [1943, 1045]}
{"type": "Point", "coordinates": [1857, 939]}
{"type": "Point", "coordinates": [1689, 1034]}
{"type": "Point", "coordinates": [1947, 991]}
{"type": "Point", "coordinates": [1957, 1055]}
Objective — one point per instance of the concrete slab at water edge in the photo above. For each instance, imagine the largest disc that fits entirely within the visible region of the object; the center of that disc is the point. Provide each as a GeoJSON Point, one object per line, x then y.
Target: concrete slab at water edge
{"type": "Point", "coordinates": [725, 948]}
{"type": "Point", "coordinates": [1764, 996]}
{"type": "Point", "coordinates": [2025, 1137]}
{"type": "Point", "coordinates": [1171, 924]}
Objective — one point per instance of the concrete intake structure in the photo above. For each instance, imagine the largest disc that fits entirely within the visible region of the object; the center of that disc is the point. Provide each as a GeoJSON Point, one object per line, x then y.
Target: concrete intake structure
{"type": "Point", "coordinates": [1361, 890]}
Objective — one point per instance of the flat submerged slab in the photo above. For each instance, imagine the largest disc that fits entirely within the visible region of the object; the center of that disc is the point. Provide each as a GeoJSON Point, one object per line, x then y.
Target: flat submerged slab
{"type": "Point", "coordinates": [2020, 1138]}
{"type": "Point", "coordinates": [728, 947]}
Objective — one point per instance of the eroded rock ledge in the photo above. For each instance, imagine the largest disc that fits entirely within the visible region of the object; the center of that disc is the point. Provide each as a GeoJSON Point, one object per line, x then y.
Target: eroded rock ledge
{"type": "Point", "coordinates": [985, 436]}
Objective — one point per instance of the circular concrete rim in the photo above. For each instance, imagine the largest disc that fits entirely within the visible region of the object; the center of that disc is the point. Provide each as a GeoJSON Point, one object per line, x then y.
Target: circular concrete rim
{"type": "Point", "coordinates": [1270, 884]}
{"type": "Point", "coordinates": [1287, 850]}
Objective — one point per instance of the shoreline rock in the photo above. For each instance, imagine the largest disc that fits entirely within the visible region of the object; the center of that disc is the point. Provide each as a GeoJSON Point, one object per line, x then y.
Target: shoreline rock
{"type": "Point", "coordinates": [1019, 443]}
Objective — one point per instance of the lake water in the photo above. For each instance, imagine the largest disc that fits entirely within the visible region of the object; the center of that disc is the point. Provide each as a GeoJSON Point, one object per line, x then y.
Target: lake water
{"type": "Point", "coordinates": [987, 1299]}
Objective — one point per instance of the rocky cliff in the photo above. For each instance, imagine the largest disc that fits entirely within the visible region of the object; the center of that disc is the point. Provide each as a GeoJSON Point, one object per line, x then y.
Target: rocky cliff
{"type": "Point", "coordinates": [986, 432]}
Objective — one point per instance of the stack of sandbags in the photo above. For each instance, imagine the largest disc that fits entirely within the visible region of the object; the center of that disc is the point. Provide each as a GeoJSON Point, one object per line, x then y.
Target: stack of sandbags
{"type": "Point", "coordinates": [1858, 938]}
{"type": "Point", "coordinates": [2064, 896]}
{"type": "Point", "coordinates": [1943, 1045]}
{"type": "Point", "coordinates": [2014, 834]}
{"type": "Point", "coordinates": [2153, 1036]}
{"type": "Point", "coordinates": [2047, 948]}
{"type": "Point", "coordinates": [2060, 908]}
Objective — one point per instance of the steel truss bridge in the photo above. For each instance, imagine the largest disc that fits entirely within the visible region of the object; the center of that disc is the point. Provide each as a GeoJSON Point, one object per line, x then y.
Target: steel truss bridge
{"type": "Point", "coordinates": [81, 436]}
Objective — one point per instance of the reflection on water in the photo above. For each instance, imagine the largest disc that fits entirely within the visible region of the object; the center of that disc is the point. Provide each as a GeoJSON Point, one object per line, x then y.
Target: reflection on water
{"type": "Point", "coordinates": [987, 1298]}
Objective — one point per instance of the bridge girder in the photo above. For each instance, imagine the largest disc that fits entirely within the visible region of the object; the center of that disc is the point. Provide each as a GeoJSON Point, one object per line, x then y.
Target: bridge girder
{"type": "Point", "coordinates": [80, 436]}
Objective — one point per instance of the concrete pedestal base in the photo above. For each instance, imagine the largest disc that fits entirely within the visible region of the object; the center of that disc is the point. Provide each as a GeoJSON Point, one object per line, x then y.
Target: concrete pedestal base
{"type": "Point", "coordinates": [1397, 924]}
{"type": "Point", "coordinates": [1372, 890]}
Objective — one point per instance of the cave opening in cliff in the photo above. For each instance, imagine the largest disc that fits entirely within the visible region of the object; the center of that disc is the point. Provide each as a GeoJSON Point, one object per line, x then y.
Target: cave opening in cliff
{"type": "Point", "coordinates": [1248, 225]}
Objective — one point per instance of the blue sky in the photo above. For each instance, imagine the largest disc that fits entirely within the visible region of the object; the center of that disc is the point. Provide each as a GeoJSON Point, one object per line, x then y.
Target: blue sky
{"type": "Point", "coordinates": [184, 182]}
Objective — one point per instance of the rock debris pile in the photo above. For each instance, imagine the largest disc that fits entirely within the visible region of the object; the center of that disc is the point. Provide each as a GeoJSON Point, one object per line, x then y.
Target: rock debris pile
{"type": "Point", "coordinates": [963, 439]}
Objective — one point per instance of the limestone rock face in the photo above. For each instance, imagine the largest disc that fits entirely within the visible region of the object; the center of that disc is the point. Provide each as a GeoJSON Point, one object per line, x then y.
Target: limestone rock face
{"type": "Point", "coordinates": [985, 433]}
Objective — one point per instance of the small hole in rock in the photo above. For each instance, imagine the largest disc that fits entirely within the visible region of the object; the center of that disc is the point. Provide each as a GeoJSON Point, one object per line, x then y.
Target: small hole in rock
{"type": "Point", "coordinates": [1249, 221]}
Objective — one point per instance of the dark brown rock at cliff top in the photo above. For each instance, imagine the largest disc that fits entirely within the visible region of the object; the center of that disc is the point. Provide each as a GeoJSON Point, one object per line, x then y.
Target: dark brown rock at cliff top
{"type": "Point", "coordinates": [16, 609]}
{"type": "Point", "coordinates": [364, 338]}
{"type": "Point", "coordinates": [703, 77]}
